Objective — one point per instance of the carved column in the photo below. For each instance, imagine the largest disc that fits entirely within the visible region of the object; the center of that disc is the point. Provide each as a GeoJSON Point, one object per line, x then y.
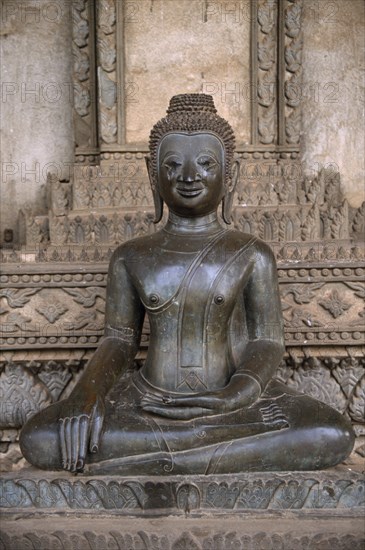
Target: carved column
{"type": "Point", "coordinates": [84, 79]}
{"type": "Point", "coordinates": [290, 71]}
{"type": "Point", "coordinates": [108, 83]}
{"type": "Point", "coordinates": [263, 71]}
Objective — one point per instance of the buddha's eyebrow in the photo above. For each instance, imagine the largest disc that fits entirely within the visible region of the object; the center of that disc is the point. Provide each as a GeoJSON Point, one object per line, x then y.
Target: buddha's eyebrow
{"type": "Point", "coordinates": [171, 153]}
{"type": "Point", "coordinates": [208, 152]}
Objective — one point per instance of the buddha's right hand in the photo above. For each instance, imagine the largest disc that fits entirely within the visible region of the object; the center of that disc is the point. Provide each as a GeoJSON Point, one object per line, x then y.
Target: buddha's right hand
{"type": "Point", "coordinates": [80, 432]}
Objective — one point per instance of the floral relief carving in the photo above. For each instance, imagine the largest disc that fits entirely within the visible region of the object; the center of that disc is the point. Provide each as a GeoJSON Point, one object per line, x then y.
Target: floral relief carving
{"type": "Point", "coordinates": [81, 58]}
{"type": "Point", "coordinates": [107, 16]}
{"type": "Point", "coordinates": [266, 74]}
{"type": "Point", "coordinates": [60, 196]}
{"type": "Point", "coordinates": [81, 65]}
{"type": "Point", "coordinates": [317, 382]}
{"type": "Point", "coordinates": [107, 55]}
{"type": "Point", "coordinates": [358, 222]}
{"type": "Point", "coordinates": [84, 91]}
{"type": "Point", "coordinates": [104, 230]}
{"type": "Point", "coordinates": [86, 296]}
{"type": "Point", "coordinates": [18, 297]}
{"type": "Point", "coordinates": [55, 377]}
{"type": "Point", "coordinates": [15, 322]}
{"type": "Point", "coordinates": [293, 66]}
{"type": "Point", "coordinates": [357, 403]}
{"type": "Point", "coordinates": [82, 100]}
{"type": "Point", "coordinates": [80, 229]}
{"type": "Point", "coordinates": [348, 373]}
{"type": "Point", "coordinates": [52, 310]}
{"type": "Point", "coordinates": [108, 125]}
{"type": "Point", "coordinates": [334, 304]}
{"type": "Point", "coordinates": [300, 317]}
{"type": "Point", "coordinates": [87, 320]}
{"type": "Point", "coordinates": [222, 540]}
{"type": "Point", "coordinates": [302, 294]}
{"type": "Point", "coordinates": [275, 224]}
{"type": "Point", "coordinates": [21, 395]}
{"type": "Point", "coordinates": [37, 230]}
{"type": "Point", "coordinates": [106, 40]}
{"type": "Point", "coordinates": [359, 289]}
{"type": "Point", "coordinates": [81, 27]}
{"type": "Point", "coordinates": [59, 229]}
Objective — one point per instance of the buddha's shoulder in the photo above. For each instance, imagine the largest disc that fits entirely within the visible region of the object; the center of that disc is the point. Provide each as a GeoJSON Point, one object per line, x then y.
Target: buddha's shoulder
{"type": "Point", "coordinates": [253, 244]}
{"type": "Point", "coordinates": [138, 247]}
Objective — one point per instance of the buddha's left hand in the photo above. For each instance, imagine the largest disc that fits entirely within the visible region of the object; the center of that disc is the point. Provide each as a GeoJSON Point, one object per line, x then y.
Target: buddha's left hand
{"type": "Point", "coordinates": [241, 391]}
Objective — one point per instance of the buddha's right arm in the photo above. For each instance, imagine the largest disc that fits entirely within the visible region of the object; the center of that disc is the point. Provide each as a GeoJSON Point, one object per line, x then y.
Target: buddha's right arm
{"type": "Point", "coordinates": [82, 414]}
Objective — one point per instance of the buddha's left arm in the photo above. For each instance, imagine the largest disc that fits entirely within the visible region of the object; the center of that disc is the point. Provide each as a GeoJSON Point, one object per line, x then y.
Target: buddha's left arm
{"type": "Point", "coordinates": [264, 319]}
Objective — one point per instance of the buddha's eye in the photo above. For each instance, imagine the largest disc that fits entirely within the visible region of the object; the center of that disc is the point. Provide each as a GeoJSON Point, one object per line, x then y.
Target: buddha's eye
{"type": "Point", "coordinates": [207, 163]}
{"type": "Point", "coordinates": [172, 164]}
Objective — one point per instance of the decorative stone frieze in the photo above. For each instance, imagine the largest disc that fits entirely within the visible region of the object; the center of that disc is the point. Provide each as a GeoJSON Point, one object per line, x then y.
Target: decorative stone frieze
{"type": "Point", "coordinates": [299, 491]}
{"type": "Point", "coordinates": [91, 540]}
{"type": "Point", "coordinates": [298, 510]}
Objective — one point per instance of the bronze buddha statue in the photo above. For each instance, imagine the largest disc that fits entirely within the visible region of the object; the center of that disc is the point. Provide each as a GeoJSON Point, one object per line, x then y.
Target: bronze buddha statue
{"type": "Point", "coordinates": [205, 400]}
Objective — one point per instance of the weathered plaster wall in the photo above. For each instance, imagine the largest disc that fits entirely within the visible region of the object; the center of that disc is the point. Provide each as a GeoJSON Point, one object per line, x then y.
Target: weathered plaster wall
{"type": "Point", "coordinates": [36, 102]}
{"type": "Point", "coordinates": [180, 46]}
{"type": "Point", "coordinates": [333, 90]}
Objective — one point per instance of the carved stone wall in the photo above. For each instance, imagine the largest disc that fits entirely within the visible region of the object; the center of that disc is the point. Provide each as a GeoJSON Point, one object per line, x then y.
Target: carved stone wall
{"type": "Point", "coordinates": [53, 288]}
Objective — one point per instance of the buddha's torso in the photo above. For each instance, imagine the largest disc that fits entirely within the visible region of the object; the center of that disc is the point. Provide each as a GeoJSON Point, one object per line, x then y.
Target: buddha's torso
{"type": "Point", "coordinates": [192, 290]}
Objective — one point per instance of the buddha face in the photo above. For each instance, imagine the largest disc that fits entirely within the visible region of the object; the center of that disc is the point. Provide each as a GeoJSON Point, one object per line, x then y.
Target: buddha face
{"type": "Point", "coordinates": [191, 173]}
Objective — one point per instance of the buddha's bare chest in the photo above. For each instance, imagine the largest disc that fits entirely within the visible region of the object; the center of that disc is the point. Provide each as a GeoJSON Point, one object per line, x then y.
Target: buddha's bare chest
{"type": "Point", "coordinates": [170, 276]}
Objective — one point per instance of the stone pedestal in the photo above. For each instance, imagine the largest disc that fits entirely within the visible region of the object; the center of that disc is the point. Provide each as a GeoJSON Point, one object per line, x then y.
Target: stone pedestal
{"type": "Point", "coordinates": [249, 511]}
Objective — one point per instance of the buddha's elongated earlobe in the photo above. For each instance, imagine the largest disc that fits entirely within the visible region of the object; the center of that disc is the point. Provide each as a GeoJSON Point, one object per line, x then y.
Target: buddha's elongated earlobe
{"type": "Point", "coordinates": [227, 201]}
{"type": "Point", "coordinates": [157, 200]}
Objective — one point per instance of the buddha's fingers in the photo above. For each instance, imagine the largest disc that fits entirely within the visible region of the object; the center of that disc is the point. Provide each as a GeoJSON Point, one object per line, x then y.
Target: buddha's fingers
{"type": "Point", "coordinates": [67, 428]}
{"type": "Point", "coordinates": [96, 425]}
{"type": "Point", "coordinates": [63, 442]}
{"type": "Point", "coordinates": [204, 401]}
{"type": "Point", "coordinates": [178, 413]}
{"type": "Point", "coordinates": [83, 440]}
{"type": "Point", "coordinates": [75, 430]}
{"type": "Point", "coordinates": [151, 400]}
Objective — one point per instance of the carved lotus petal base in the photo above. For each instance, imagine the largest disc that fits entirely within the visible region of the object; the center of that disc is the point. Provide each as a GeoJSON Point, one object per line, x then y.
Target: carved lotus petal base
{"type": "Point", "coordinates": [252, 511]}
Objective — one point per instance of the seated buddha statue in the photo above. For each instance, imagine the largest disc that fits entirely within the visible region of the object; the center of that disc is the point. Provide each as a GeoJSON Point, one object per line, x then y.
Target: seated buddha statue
{"type": "Point", "coordinates": [205, 400]}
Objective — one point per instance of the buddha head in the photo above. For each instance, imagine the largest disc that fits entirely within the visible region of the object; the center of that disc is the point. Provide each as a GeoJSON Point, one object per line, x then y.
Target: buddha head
{"type": "Point", "coordinates": [191, 165]}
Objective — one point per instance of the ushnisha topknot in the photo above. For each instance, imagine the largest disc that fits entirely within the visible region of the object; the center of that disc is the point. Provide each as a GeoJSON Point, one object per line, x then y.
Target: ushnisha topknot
{"type": "Point", "coordinates": [193, 113]}
{"type": "Point", "coordinates": [191, 102]}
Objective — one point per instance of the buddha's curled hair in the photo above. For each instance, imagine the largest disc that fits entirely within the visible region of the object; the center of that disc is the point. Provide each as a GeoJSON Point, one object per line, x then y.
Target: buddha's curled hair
{"type": "Point", "coordinates": [193, 113]}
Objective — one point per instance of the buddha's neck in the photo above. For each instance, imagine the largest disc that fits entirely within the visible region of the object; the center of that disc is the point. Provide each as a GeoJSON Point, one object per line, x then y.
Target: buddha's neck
{"type": "Point", "coordinates": [206, 225]}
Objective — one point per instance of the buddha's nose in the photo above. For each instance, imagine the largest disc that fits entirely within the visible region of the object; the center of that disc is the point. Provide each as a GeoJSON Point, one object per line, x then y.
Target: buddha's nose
{"type": "Point", "coordinates": [188, 173]}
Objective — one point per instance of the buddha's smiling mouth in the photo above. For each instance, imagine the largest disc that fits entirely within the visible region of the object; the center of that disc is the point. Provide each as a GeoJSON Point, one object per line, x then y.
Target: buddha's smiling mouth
{"type": "Point", "coordinates": [189, 191]}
